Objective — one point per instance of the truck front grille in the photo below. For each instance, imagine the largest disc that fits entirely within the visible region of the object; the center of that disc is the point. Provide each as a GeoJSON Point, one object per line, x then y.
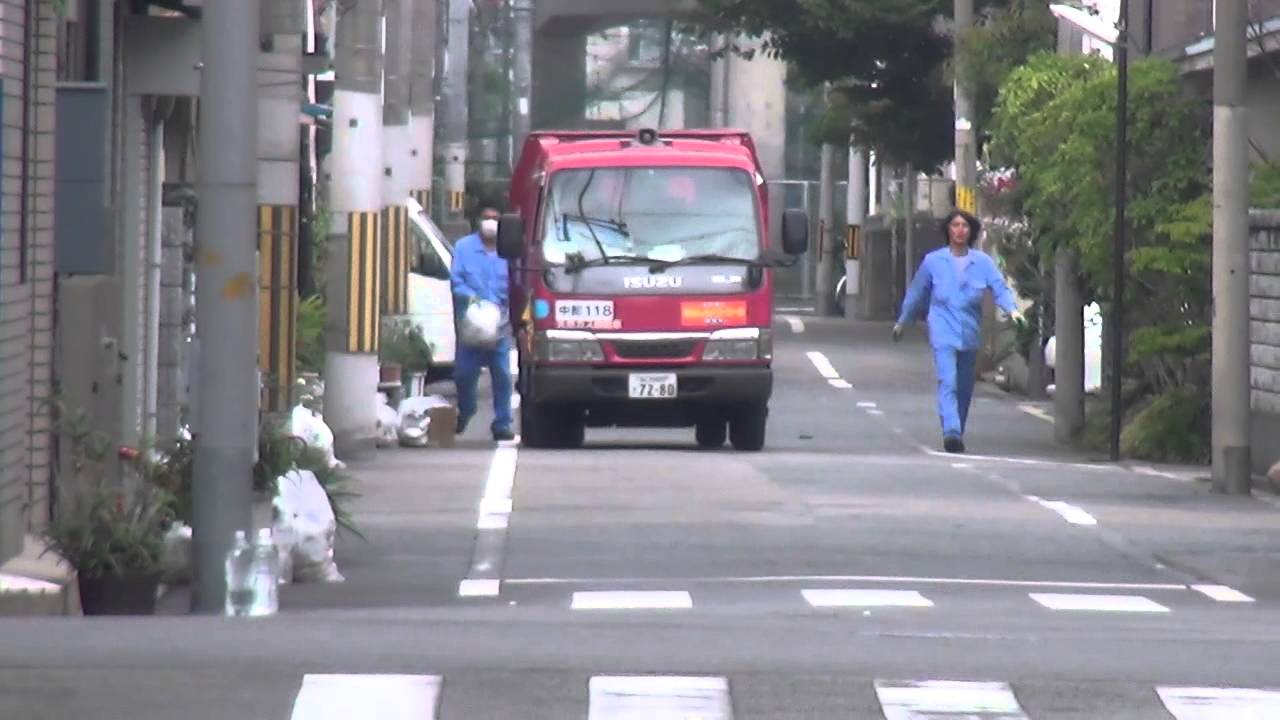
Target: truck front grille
{"type": "Point", "coordinates": [654, 349]}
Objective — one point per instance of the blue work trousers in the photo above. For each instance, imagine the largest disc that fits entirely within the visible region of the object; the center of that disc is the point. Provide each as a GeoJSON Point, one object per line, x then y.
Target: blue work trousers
{"type": "Point", "coordinates": [466, 377]}
{"type": "Point", "coordinates": [957, 372]}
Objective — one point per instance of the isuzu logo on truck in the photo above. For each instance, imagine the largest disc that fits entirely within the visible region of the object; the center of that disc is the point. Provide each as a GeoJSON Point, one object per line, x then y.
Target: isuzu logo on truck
{"type": "Point", "coordinates": [652, 282]}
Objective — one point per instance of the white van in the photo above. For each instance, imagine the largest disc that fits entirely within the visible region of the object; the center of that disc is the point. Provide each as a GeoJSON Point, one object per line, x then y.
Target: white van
{"type": "Point", "coordinates": [430, 292]}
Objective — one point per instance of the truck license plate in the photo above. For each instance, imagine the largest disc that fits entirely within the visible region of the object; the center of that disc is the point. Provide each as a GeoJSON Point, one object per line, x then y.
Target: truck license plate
{"type": "Point", "coordinates": [656, 386]}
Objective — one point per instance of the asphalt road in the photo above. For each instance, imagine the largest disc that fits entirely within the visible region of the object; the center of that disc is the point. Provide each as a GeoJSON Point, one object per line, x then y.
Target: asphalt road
{"type": "Point", "coordinates": [849, 571]}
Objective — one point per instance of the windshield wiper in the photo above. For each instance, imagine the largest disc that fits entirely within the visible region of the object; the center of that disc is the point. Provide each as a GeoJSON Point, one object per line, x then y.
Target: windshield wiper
{"type": "Point", "coordinates": [576, 263]}
{"type": "Point", "coordinates": [617, 226]}
{"type": "Point", "coordinates": [711, 259]}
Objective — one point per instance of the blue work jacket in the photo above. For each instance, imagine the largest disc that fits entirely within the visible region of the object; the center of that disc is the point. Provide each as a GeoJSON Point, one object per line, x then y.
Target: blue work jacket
{"type": "Point", "coordinates": [950, 291]}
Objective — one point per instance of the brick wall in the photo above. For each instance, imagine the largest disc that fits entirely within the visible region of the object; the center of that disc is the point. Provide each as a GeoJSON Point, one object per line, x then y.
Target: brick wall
{"type": "Point", "coordinates": [26, 266]}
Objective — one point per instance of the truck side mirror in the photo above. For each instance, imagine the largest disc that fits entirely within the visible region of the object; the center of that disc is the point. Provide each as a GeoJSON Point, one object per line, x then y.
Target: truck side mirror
{"type": "Point", "coordinates": [510, 237]}
{"type": "Point", "coordinates": [795, 232]}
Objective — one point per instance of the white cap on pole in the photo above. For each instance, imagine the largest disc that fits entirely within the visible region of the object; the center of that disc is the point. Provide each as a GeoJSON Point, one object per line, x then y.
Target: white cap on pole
{"type": "Point", "coordinates": [1087, 22]}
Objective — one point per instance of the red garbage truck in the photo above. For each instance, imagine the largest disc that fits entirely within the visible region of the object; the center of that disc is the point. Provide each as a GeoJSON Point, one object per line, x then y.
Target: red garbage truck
{"type": "Point", "coordinates": [642, 284]}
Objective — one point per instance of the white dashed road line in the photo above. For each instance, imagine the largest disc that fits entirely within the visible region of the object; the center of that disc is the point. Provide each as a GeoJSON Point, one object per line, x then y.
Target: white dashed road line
{"type": "Point", "coordinates": [623, 697]}
{"type": "Point", "coordinates": [840, 384]}
{"type": "Point", "coordinates": [1218, 703]}
{"type": "Point", "coordinates": [1069, 512]}
{"type": "Point", "coordinates": [913, 700]}
{"type": "Point", "coordinates": [627, 600]}
{"type": "Point", "coordinates": [824, 366]}
{"type": "Point", "coordinates": [1035, 412]}
{"type": "Point", "coordinates": [865, 598]}
{"type": "Point", "coordinates": [484, 577]}
{"type": "Point", "coordinates": [1222, 593]}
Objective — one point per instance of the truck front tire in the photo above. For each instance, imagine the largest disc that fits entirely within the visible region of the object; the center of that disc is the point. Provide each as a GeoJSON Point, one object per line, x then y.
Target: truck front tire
{"type": "Point", "coordinates": [711, 434]}
{"type": "Point", "coordinates": [548, 426]}
{"type": "Point", "coordinates": [747, 428]}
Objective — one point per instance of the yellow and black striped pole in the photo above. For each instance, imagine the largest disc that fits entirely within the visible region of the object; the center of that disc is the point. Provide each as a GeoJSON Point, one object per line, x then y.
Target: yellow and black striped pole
{"type": "Point", "coordinates": [967, 199]}
{"type": "Point", "coordinates": [277, 302]}
{"type": "Point", "coordinates": [364, 281]}
{"type": "Point", "coordinates": [394, 298]}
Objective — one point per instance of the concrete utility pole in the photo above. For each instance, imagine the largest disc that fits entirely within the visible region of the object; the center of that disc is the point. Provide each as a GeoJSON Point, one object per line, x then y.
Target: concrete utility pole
{"type": "Point", "coordinates": [909, 230]}
{"type": "Point", "coordinates": [353, 322]}
{"type": "Point", "coordinates": [522, 18]}
{"type": "Point", "coordinates": [422, 101]}
{"type": "Point", "coordinates": [397, 158]}
{"type": "Point", "coordinates": [826, 232]}
{"type": "Point", "coordinates": [855, 215]}
{"type": "Point", "coordinates": [279, 104]}
{"type": "Point", "coordinates": [966, 137]}
{"type": "Point", "coordinates": [456, 116]}
{"type": "Point", "coordinates": [1068, 396]}
{"type": "Point", "coordinates": [226, 306]}
{"type": "Point", "coordinates": [1231, 390]}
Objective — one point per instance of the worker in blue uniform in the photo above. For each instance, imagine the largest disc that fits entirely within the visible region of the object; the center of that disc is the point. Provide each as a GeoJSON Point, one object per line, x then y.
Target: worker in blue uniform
{"type": "Point", "coordinates": [949, 288]}
{"type": "Point", "coordinates": [478, 273]}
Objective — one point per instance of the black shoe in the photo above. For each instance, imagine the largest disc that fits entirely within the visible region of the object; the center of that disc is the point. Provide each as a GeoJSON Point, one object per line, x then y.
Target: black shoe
{"type": "Point", "coordinates": [953, 444]}
{"type": "Point", "coordinates": [462, 426]}
{"type": "Point", "coordinates": [501, 435]}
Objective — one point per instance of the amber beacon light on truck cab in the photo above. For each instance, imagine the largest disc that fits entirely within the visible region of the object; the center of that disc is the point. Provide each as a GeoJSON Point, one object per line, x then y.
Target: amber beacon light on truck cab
{"type": "Point", "coordinates": [642, 289]}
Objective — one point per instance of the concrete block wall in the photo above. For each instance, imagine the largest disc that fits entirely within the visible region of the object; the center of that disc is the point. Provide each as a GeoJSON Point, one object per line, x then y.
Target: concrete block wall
{"type": "Point", "coordinates": [1264, 331]}
{"type": "Point", "coordinates": [28, 48]}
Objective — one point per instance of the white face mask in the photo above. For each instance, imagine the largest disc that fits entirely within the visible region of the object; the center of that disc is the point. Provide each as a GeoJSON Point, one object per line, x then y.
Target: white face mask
{"type": "Point", "coordinates": [489, 229]}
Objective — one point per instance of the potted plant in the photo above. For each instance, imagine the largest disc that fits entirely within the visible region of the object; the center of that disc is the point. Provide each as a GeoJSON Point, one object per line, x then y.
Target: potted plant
{"type": "Point", "coordinates": [403, 351]}
{"type": "Point", "coordinates": [110, 531]}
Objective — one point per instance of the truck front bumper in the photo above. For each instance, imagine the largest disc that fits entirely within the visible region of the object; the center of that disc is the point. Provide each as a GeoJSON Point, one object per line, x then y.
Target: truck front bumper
{"type": "Point", "coordinates": [604, 392]}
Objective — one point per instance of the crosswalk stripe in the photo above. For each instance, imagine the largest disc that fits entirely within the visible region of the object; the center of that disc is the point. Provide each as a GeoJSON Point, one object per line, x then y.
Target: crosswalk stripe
{"type": "Point", "coordinates": [913, 700]}
{"type": "Point", "coordinates": [865, 598]}
{"type": "Point", "coordinates": [658, 697]}
{"type": "Point", "coordinates": [361, 697]}
{"type": "Point", "coordinates": [1211, 703]}
{"type": "Point", "coordinates": [1098, 603]}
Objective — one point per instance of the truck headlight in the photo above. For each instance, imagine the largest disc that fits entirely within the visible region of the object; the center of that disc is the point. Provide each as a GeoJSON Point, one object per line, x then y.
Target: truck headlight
{"type": "Point", "coordinates": [739, 344]}
{"type": "Point", "coordinates": [569, 346]}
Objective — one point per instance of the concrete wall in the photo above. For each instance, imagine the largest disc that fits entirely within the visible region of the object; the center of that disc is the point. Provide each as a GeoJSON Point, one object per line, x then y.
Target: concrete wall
{"type": "Point", "coordinates": [26, 268]}
{"type": "Point", "coordinates": [1178, 23]}
{"type": "Point", "coordinates": [1264, 349]}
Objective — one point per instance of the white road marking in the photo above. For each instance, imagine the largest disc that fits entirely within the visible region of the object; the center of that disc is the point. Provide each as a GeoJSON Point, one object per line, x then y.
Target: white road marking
{"type": "Point", "coordinates": [1152, 472]}
{"type": "Point", "coordinates": [794, 309]}
{"type": "Point", "coordinates": [939, 698]}
{"type": "Point", "coordinates": [1021, 461]}
{"type": "Point", "coordinates": [841, 384]}
{"type": "Point", "coordinates": [485, 587]}
{"type": "Point", "coordinates": [493, 520]}
{"type": "Point", "coordinates": [824, 366]}
{"type": "Point", "coordinates": [1099, 603]}
{"type": "Point", "coordinates": [885, 579]}
{"type": "Point", "coordinates": [386, 697]}
{"type": "Point", "coordinates": [625, 600]}
{"type": "Point", "coordinates": [1222, 593]}
{"type": "Point", "coordinates": [1035, 412]}
{"type": "Point", "coordinates": [1217, 703]}
{"type": "Point", "coordinates": [797, 325]}
{"type": "Point", "coordinates": [657, 697]}
{"type": "Point", "coordinates": [875, 412]}
{"type": "Point", "coordinates": [866, 405]}
{"type": "Point", "coordinates": [865, 598]}
{"type": "Point", "coordinates": [1069, 512]}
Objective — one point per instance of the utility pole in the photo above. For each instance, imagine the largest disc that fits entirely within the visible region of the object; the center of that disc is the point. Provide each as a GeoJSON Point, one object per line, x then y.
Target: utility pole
{"type": "Point", "coordinates": [966, 137]}
{"type": "Point", "coordinates": [226, 306]}
{"type": "Point", "coordinates": [826, 230]}
{"type": "Point", "coordinates": [1120, 246]}
{"type": "Point", "coordinates": [909, 229]}
{"type": "Point", "coordinates": [1068, 308]}
{"type": "Point", "coordinates": [397, 158]}
{"type": "Point", "coordinates": [855, 215]}
{"type": "Point", "coordinates": [422, 101]}
{"type": "Point", "coordinates": [456, 117]}
{"type": "Point", "coordinates": [354, 245]}
{"type": "Point", "coordinates": [522, 18]}
{"type": "Point", "coordinates": [280, 100]}
{"type": "Point", "coordinates": [1231, 450]}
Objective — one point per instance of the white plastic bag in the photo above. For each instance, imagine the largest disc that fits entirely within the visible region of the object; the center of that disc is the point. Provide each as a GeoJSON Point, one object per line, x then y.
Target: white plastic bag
{"type": "Point", "coordinates": [481, 325]}
{"type": "Point", "coordinates": [388, 423]}
{"type": "Point", "coordinates": [176, 565]}
{"type": "Point", "coordinates": [305, 510]}
{"type": "Point", "coordinates": [310, 427]}
{"type": "Point", "coordinates": [415, 418]}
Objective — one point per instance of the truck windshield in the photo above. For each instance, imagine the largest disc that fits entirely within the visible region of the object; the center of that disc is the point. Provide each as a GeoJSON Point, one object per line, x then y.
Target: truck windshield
{"type": "Point", "coordinates": [643, 214]}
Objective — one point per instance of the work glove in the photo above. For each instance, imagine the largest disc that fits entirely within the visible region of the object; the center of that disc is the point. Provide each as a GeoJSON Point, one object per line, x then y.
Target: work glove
{"type": "Point", "coordinates": [897, 332]}
{"type": "Point", "coordinates": [1018, 318]}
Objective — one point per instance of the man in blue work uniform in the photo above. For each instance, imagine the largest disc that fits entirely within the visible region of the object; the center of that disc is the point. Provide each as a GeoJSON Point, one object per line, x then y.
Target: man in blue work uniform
{"type": "Point", "coordinates": [478, 273]}
{"type": "Point", "coordinates": [950, 286]}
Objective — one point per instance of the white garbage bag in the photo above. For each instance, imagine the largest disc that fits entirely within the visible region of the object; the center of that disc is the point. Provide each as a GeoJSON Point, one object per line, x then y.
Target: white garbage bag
{"type": "Point", "coordinates": [305, 510]}
{"type": "Point", "coordinates": [415, 418]}
{"type": "Point", "coordinates": [176, 565]}
{"type": "Point", "coordinates": [388, 423]}
{"type": "Point", "coordinates": [314, 432]}
{"type": "Point", "coordinates": [481, 325]}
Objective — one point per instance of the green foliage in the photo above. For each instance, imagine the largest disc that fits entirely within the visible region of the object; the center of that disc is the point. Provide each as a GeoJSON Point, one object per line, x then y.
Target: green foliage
{"type": "Point", "coordinates": [1003, 40]}
{"type": "Point", "coordinates": [1174, 427]}
{"type": "Point", "coordinates": [309, 338]}
{"type": "Point", "coordinates": [403, 344]}
{"type": "Point", "coordinates": [1264, 188]}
